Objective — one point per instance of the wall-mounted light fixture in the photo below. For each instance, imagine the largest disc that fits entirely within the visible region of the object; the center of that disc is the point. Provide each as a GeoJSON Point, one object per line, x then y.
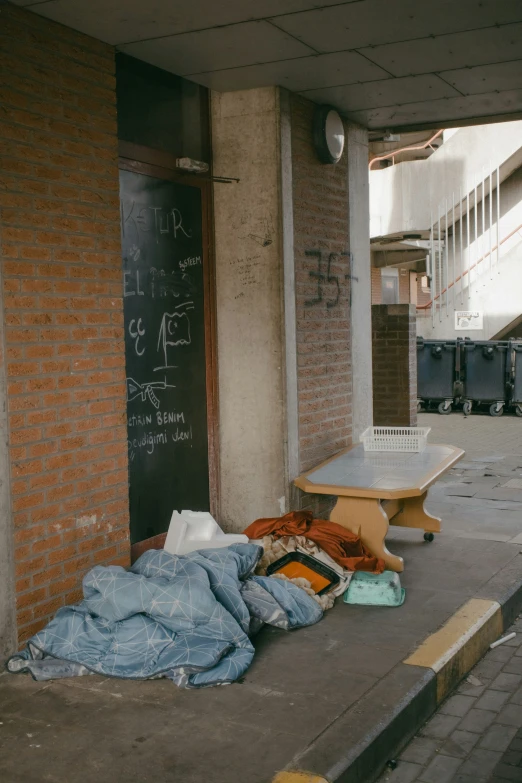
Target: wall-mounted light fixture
{"type": "Point", "coordinates": [328, 134]}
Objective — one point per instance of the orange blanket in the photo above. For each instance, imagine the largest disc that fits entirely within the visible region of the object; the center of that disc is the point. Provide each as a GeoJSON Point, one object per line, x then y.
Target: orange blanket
{"type": "Point", "coordinates": [343, 546]}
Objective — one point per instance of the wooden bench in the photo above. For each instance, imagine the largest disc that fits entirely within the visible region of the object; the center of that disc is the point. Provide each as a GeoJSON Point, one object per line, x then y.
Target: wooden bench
{"type": "Point", "coordinates": [378, 489]}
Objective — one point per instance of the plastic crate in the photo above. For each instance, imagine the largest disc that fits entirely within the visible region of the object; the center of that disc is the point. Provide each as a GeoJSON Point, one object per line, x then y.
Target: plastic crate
{"type": "Point", "coordinates": [395, 438]}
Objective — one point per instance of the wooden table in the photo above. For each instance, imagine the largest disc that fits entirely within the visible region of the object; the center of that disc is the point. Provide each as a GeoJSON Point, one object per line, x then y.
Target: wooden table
{"type": "Point", "coordinates": [376, 489]}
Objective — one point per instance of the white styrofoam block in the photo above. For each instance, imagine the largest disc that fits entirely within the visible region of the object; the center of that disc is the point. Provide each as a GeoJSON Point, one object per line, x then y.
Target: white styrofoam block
{"type": "Point", "coordinates": [193, 530]}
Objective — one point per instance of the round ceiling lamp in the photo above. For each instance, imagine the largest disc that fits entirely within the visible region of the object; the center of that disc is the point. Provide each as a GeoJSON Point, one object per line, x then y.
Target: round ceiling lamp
{"type": "Point", "coordinates": [328, 134]}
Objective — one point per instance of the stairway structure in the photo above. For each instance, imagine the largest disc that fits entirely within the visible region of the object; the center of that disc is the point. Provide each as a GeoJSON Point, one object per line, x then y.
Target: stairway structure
{"type": "Point", "coordinates": [463, 213]}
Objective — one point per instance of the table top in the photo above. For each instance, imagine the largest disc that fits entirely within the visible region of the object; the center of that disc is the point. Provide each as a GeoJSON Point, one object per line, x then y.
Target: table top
{"type": "Point", "coordinates": [379, 474]}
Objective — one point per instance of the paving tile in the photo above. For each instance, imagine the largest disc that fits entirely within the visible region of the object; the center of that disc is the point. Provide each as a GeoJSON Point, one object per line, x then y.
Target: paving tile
{"type": "Point", "coordinates": [462, 490]}
{"type": "Point", "coordinates": [514, 666]}
{"type": "Point", "coordinates": [477, 720]}
{"type": "Point", "coordinates": [487, 670]}
{"type": "Point", "coordinates": [497, 737]}
{"type": "Point", "coordinates": [505, 774]}
{"type": "Point", "coordinates": [460, 744]}
{"type": "Point", "coordinates": [502, 653]}
{"type": "Point", "coordinates": [406, 772]}
{"type": "Point", "coordinates": [492, 700]}
{"type": "Point", "coordinates": [513, 758]}
{"type": "Point", "coordinates": [510, 716]}
{"type": "Point", "coordinates": [440, 770]}
{"type": "Point", "coordinates": [517, 697]}
{"type": "Point", "coordinates": [420, 750]}
{"type": "Point", "coordinates": [466, 779]}
{"type": "Point", "coordinates": [506, 682]}
{"type": "Point", "coordinates": [481, 763]}
{"type": "Point", "coordinates": [440, 727]}
{"type": "Point", "coordinates": [471, 690]}
{"type": "Point", "coordinates": [457, 705]}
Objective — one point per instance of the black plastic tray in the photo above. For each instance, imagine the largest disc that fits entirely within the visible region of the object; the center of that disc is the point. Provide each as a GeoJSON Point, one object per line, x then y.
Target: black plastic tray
{"type": "Point", "coordinates": [311, 562]}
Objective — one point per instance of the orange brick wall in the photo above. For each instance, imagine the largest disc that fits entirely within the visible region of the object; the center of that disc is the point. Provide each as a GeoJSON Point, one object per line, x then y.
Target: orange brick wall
{"type": "Point", "coordinates": [376, 286]}
{"type": "Point", "coordinates": [61, 275]}
{"type": "Point", "coordinates": [323, 331]}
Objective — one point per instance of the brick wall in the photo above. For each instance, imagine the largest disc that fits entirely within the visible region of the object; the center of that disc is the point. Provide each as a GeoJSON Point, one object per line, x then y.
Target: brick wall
{"type": "Point", "coordinates": [323, 327]}
{"type": "Point", "coordinates": [404, 286]}
{"type": "Point", "coordinates": [394, 365]}
{"type": "Point", "coordinates": [376, 285]}
{"type": "Point", "coordinates": [422, 297]}
{"type": "Point", "coordinates": [61, 274]}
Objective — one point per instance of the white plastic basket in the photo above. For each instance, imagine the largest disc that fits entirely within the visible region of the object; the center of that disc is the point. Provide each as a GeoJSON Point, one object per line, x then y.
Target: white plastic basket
{"type": "Point", "coordinates": [395, 438]}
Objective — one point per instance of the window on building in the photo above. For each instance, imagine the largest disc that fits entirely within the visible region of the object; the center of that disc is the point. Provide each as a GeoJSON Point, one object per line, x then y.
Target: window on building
{"type": "Point", "coordinates": [390, 285]}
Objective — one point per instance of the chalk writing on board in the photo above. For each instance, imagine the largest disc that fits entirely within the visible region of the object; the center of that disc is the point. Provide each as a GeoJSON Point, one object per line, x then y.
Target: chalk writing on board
{"type": "Point", "coordinates": [157, 284]}
{"type": "Point", "coordinates": [163, 268]}
{"type": "Point", "coordinates": [146, 391]}
{"type": "Point", "coordinates": [174, 331]}
{"type": "Point", "coordinates": [153, 440]}
{"type": "Point", "coordinates": [155, 219]}
{"type": "Point", "coordinates": [137, 331]}
{"type": "Point", "coordinates": [191, 261]}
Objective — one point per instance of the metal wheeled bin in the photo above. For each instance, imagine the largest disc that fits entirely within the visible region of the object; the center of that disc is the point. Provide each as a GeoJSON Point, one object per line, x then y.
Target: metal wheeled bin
{"type": "Point", "coordinates": [487, 368]}
{"type": "Point", "coordinates": [516, 375]}
{"type": "Point", "coordinates": [438, 373]}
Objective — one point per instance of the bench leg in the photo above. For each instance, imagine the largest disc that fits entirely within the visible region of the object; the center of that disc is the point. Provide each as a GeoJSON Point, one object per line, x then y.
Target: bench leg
{"type": "Point", "coordinates": [415, 515]}
{"type": "Point", "coordinates": [366, 518]}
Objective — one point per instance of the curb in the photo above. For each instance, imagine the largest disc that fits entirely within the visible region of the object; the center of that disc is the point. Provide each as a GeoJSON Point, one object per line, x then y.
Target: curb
{"type": "Point", "coordinates": [356, 747]}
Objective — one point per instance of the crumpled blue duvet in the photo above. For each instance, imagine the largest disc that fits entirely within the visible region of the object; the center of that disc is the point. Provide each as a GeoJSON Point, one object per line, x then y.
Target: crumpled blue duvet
{"type": "Point", "coordinates": [189, 618]}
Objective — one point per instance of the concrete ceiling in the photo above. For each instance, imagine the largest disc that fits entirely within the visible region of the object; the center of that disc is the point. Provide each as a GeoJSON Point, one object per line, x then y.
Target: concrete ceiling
{"type": "Point", "coordinates": [382, 63]}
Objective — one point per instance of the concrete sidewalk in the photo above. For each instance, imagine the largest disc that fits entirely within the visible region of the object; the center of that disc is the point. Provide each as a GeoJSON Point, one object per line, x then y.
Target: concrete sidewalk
{"type": "Point", "coordinates": [476, 735]}
{"type": "Point", "coordinates": [336, 699]}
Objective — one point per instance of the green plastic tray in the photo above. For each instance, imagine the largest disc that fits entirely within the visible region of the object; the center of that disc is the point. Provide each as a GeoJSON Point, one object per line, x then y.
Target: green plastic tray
{"type": "Point", "coordinates": [375, 589]}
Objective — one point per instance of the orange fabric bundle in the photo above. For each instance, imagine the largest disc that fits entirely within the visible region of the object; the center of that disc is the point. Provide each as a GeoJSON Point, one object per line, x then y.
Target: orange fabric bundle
{"type": "Point", "coordinates": [343, 546]}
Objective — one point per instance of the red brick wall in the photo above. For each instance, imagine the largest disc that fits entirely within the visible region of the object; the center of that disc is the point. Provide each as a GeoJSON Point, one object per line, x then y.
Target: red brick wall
{"type": "Point", "coordinates": [61, 275]}
{"type": "Point", "coordinates": [376, 286]}
{"type": "Point", "coordinates": [394, 355]}
{"type": "Point", "coordinates": [323, 332]}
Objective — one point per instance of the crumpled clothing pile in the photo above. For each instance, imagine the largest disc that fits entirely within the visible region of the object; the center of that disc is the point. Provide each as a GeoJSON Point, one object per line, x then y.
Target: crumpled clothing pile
{"type": "Point", "coordinates": [275, 548]}
{"type": "Point", "coordinates": [332, 544]}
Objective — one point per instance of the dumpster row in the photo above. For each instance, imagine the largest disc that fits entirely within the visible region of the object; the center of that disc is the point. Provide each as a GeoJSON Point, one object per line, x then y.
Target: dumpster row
{"type": "Point", "coordinates": [468, 373]}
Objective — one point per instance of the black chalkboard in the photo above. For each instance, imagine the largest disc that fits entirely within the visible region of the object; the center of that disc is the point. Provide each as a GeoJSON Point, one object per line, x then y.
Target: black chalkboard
{"type": "Point", "coordinates": [163, 285]}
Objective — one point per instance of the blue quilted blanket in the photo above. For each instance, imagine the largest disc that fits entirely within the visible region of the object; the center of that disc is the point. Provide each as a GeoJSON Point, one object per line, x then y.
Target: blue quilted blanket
{"type": "Point", "coordinates": [188, 618]}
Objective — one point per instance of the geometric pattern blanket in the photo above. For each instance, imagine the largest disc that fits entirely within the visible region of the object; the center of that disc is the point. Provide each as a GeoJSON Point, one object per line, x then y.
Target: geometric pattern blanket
{"type": "Point", "coordinates": [189, 618]}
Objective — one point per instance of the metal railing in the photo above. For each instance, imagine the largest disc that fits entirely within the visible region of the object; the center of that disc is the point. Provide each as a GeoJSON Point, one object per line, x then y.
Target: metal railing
{"type": "Point", "coordinates": [465, 244]}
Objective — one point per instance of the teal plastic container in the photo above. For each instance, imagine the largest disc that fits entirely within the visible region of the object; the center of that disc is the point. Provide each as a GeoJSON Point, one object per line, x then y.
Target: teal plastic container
{"type": "Point", "coordinates": [375, 589]}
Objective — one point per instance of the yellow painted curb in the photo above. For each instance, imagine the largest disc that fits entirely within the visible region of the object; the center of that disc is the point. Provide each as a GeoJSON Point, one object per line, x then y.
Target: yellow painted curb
{"type": "Point", "coordinates": [453, 650]}
{"type": "Point", "coordinates": [298, 777]}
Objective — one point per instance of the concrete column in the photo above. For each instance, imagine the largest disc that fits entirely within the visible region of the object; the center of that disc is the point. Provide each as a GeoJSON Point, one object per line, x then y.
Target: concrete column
{"type": "Point", "coordinates": [292, 461]}
{"type": "Point", "coordinates": [361, 299]}
{"type": "Point", "coordinates": [246, 138]}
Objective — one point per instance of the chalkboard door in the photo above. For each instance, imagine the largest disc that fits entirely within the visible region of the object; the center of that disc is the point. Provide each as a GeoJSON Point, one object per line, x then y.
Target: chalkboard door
{"type": "Point", "coordinates": [164, 318]}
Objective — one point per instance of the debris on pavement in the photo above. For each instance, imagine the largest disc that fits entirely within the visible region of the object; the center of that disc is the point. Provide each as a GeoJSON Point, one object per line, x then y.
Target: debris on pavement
{"type": "Point", "coordinates": [502, 640]}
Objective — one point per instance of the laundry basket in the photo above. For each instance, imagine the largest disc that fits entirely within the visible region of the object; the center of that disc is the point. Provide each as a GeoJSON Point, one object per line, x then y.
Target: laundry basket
{"type": "Point", "coordinates": [395, 438]}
